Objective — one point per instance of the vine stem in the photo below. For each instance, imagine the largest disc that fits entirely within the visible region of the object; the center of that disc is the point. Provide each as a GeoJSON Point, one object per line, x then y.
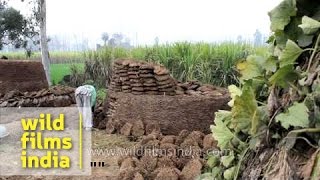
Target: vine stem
{"type": "Point", "coordinates": [314, 52]}
{"type": "Point", "coordinates": [235, 177]}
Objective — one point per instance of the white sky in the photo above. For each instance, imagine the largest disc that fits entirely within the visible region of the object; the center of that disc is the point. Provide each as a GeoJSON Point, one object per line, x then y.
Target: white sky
{"type": "Point", "coordinates": [170, 20]}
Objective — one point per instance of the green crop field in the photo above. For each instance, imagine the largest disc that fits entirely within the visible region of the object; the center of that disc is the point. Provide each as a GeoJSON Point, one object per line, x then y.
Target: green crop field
{"type": "Point", "coordinates": [212, 63]}
{"type": "Point", "coordinates": [58, 71]}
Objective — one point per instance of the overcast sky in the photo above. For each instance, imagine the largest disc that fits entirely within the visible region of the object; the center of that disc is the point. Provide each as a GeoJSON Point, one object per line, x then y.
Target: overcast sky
{"type": "Point", "coordinates": [170, 20]}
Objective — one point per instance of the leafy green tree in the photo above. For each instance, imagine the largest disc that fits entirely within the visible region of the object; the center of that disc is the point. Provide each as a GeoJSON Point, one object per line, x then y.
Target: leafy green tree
{"type": "Point", "coordinates": [14, 27]}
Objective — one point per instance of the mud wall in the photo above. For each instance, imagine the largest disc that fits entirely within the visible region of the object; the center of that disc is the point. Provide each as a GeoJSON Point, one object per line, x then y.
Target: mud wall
{"type": "Point", "coordinates": [22, 76]}
{"type": "Point", "coordinates": [171, 113]}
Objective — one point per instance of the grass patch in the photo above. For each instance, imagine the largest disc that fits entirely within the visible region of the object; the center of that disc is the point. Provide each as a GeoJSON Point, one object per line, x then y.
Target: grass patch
{"type": "Point", "coordinates": [212, 63]}
{"type": "Point", "coordinates": [55, 56]}
{"type": "Point", "coordinates": [58, 71]}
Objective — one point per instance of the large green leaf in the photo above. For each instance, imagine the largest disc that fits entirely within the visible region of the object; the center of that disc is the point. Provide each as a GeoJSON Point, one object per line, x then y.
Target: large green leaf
{"type": "Point", "coordinates": [271, 64]}
{"type": "Point", "coordinates": [290, 54]}
{"type": "Point", "coordinates": [251, 68]}
{"type": "Point", "coordinates": [281, 39]}
{"type": "Point", "coordinates": [220, 131]}
{"type": "Point", "coordinates": [304, 40]}
{"type": "Point", "coordinates": [228, 174]}
{"type": "Point", "coordinates": [233, 91]}
{"type": "Point", "coordinates": [297, 116]}
{"type": "Point", "coordinates": [309, 25]}
{"type": "Point", "coordinates": [284, 76]}
{"type": "Point", "coordinates": [245, 112]}
{"type": "Point", "coordinates": [227, 160]}
{"type": "Point", "coordinates": [280, 15]}
{"type": "Point", "coordinates": [213, 161]}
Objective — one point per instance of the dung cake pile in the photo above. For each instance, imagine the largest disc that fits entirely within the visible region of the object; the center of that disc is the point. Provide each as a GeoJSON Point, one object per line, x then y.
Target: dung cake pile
{"type": "Point", "coordinates": [22, 75]}
{"type": "Point", "coordinates": [158, 157]}
{"type": "Point", "coordinates": [57, 96]}
{"type": "Point", "coordinates": [196, 88]}
{"type": "Point", "coordinates": [139, 78]}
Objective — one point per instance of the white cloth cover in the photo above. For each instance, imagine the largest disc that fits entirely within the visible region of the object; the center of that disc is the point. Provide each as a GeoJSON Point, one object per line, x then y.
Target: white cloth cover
{"type": "Point", "coordinates": [3, 132]}
{"type": "Point", "coordinates": [83, 100]}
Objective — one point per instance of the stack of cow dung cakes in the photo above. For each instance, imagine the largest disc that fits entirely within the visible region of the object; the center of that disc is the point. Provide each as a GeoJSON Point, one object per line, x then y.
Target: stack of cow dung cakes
{"type": "Point", "coordinates": [134, 78]}
{"type": "Point", "coordinates": [165, 83]}
{"type": "Point", "coordinates": [139, 78]}
{"type": "Point", "coordinates": [120, 77]}
{"type": "Point", "coordinates": [147, 78]}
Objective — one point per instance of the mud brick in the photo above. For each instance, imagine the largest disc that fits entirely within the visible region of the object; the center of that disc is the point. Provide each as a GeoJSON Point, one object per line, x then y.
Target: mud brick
{"type": "Point", "coordinates": [124, 78]}
{"type": "Point", "coordinates": [137, 92]}
{"type": "Point", "coordinates": [169, 81]}
{"type": "Point", "coordinates": [122, 71]}
{"type": "Point", "coordinates": [146, 66]}
{"type": "Point", "coordinates": [149, 80]}
{"type": "Point", "coordinates": [123, 74]}
{"type": "Point", "coordinates": [134, 77]}
{"type": "Point", "coordinates": [133, 68]}
{"type": "Point", "coordinates": [115, 75]}
{"type": "Point", "coordinates": [162, 77]}
{"type": "Point", "coordinates": [150, 84]}
{"type": "Point", "coordinates": [134, 64]}
{"type": "Point", "coordinates": [139, 89]}
{"type": "Point", "coordinates": [135, 80]}
{"type": "Point", "coordinates": [133, 73]}
{"type": "Point", "coordinates": [137, 85]}
{"type": "Point", "coordinates": [126, 87]}
{"type": "Point", "coordinates": [150, 88]}
{"type": "Point", "coordinates": [166, 86]}
{"type": "Point", "coordinates": [146, 75]}
{"type": "Point", "coordinates": [116, 80]}
{"type": "Point", "coordinates": [146, 71]}
{"type": "Point", "coordinates": [127, 91]}
{"type": "Point", "coordinates": [127, 83]}
{"type": "Point", "coordinates": [117, 70]}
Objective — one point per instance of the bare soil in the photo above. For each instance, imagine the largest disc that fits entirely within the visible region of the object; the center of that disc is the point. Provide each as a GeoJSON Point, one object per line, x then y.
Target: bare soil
{"type": "Point", "coordinates": [100, 140]}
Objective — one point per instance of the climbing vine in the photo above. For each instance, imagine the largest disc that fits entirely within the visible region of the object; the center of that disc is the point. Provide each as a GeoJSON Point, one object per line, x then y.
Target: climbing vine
{"type": "Point", "coordinates": [278, 99]}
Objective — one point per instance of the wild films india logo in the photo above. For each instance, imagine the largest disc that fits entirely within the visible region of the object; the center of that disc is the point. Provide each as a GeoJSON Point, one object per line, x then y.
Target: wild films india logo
{"type": "Point", "coordinates": [34, 138]}
{"type": "Point", "coordinates": [44, 141]}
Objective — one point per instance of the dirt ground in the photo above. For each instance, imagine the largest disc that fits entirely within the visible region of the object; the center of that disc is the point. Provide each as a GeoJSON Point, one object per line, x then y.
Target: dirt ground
{"type": "Point", "coordinates": [100, 140]}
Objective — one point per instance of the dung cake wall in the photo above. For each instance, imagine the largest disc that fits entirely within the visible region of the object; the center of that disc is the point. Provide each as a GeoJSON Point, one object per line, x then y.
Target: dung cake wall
{"type": "Point", "coordinates": [22, 76]}
{"type": "Point", "coordinates": [171, 113]}
{"type": "Point", "coordinates": [170, 105]}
